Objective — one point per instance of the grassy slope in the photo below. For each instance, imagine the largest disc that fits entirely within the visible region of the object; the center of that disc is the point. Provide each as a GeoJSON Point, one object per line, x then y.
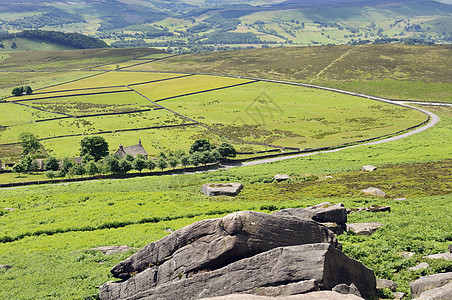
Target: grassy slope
{"type": "Point", "coordinates": [394, 71]}
{"type": "Point", "coordinates": [73, 209]}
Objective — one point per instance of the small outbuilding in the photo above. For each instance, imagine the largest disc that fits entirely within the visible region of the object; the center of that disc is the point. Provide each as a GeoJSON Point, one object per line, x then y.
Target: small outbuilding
{"type": "Point", "coordinates": [132, 150]}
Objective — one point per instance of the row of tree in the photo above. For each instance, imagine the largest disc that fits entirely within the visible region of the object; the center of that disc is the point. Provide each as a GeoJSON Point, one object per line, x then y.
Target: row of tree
{"type": "Point", "coordinates": [96, 160]}
{"type": "Point", "coordinates": [20, 90]}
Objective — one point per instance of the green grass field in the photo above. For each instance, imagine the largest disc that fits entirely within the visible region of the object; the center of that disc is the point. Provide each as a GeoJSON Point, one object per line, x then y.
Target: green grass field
{"type": "Point", "coordinates": [57, 224]}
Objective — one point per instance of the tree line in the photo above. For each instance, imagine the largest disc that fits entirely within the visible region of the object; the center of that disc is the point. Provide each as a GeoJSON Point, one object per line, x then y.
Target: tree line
{"type": "Point", "coordinates": [75, 40]}
{"type": "Point", "coordinates": [97, 160]}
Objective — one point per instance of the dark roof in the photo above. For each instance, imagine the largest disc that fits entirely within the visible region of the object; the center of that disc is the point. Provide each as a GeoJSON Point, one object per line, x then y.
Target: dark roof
{"type": "Point", "coordinates": [133, 150]}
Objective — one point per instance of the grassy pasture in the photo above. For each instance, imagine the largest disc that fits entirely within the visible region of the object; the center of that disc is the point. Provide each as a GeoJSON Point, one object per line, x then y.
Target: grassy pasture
{"type": "Point", "coordinates": [14, 114]}
{"type": "Point", "coordinates": [32, 45]}
{"type": "Point", "coordinates": [111, 79]}
{"type": "Point", "coordinates": [180, 86]}
{"type": "Point", "coordinates": [294, 116]}
{"type": "Point", "coordinates": [94, 103]}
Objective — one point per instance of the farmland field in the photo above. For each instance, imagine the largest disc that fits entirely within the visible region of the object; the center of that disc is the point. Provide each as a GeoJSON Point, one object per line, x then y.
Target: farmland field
{"type": "Point", "coordinates": [58, 224]}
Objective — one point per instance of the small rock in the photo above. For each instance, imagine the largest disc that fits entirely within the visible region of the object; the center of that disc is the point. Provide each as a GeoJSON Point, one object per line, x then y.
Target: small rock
{"type": "Point", "coordinates": [407, 254]}
{"type": "Point", "coordinates": [368, 168]}
{"type": "Point", "coordinates": [425, 283]}
{"type": "Point", "coordinates": [399, 295]}
{"type": "Point", "coordinates": [386, 284]}
{"type": "Point", "coordinates": [420, 266]}
{"type": "Point", "coordinates": [374, 191]}
{"type": "Point", "coordinates": [218, 189]}
{"type": "Point", "coordinates": [10, 209]}
{"type": "Point", "coordinates": [450, 248]}
{"type": "Point", "coordinates": [347, 289]}
{"type": "Point", "coordinates": [363, 228]}
{"type": "Point", "coordinates": [110, 250]}
{"type": "Point", "coordinates": [329, 177]}
{"type": "Point", "coordinates": [378, 208]}
{"type": "Point", "coordinates": [399, 199]}
{"type": "Point", "coordinates": [446, 256]}
{"type": "Point", "coordinates": [169, 230]}
{"type": "Point", "coordinates": [6, 267]}
{"type": "Point", "coordinates": [281, 177]}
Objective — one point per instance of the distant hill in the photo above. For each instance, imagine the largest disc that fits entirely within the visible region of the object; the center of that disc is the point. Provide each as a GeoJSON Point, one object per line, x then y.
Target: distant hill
{"type": "Point", "coordinates": [48, 40]}
{"type": "Point", "coordinates": [205, 25]}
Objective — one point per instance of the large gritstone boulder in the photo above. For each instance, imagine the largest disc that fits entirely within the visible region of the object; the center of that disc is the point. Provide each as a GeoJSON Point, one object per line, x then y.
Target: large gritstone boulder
{"type": "Point", "coordinates": [221, 189]}
{"type": "Point", "coordinates": [322, 263]}
{"type": "Point", "coordinates": [243, 252]}
{"type": "Point", "coordinates": [216, 242]}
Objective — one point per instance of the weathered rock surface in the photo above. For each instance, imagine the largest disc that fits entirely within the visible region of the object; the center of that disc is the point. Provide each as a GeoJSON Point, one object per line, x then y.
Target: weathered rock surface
{"type": "Point", "coordinates": [221, 189]}
{"type": "Point", "coordinates": [446, 256]}
{"type": "Point", "coordinates": [216, 242]}
{"type": "Point", "coordinates": [407, 254]}
{"type": "Point", "coordinates": [386, 284]}
{"type": "Point", "coordinates": [374, 192]}
{"type": "Point", "coordinates": [373, 208]}
{"type": "Point", "coordinates": [422, 265]}
{"type": "Point", "coordinates": [320, 295]}
{"type": "Point", "coordinates": [399, 295]}
{"type": "Point", "coordinates": [346, 289]}
{"type": "Point", "coordinates": [333, 216]}
{"type": "Point", "coordinates": [440, 293]}
{"type": "Point", "coordinates": [321, 262]}
{"type": "Point", "coordinates": [281, 177]}
{"type": "Point", "coordinates": [430, 282]}
{"type": "Point", "coordinates": [363, 228]}
{"type": "Point", "coordinates": [368, 168]}
{"type": "Point", "coordinates": [110, 250]}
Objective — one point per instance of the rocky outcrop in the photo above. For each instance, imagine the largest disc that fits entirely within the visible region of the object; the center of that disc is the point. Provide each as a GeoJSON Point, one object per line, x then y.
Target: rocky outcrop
{"type": "Point", "coordinates": [368, 168]}
{"type": "Point", "coordinates": [420, 266]}
{"type": "Point", "coordinates": [439, 293]}
{"type": "Point", "coordinates": [426, 286]}
{"type": "Point", "coordinates": [321, 262]}
{"type": "Point", "coordinates": [110, 250]}
{"type": "Point", "coordinates": [363, 228]}
{"type": "Point", "coordinates": [386, 284]}
{"type": "Point", "coordinates": [374, 192]}
{"type": "Point", "coordinates": [334, 216]}
{"type": "Point", "coordinates": [281, 177]}
{"type": "Point", "coordinates": [221, 189]}
{"type": "Point", "coordinates": [216, 242]}
{"type": "Point", "coordinates": [320, 295]}
{"type": "Point", "coordinates": [245, 252]}
{"type": "Point", "coordinates": [372, 208]}
{"type": "Point", "coordinates": [446, 256]}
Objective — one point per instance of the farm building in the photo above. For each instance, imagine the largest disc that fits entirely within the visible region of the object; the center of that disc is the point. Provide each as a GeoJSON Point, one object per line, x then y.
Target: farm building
{"type": "Point", "coordinates": [132, 150]}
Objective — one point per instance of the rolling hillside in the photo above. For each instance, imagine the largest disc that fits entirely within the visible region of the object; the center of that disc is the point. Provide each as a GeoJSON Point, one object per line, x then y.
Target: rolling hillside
{"type": "Point", "coordinates": [209, 25]}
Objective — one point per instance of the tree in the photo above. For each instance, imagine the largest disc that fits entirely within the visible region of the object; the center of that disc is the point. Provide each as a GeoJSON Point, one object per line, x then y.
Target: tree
{"type": "Point", "coordinates": [17, 91]}
{"type": "Point", "coordinates": [29, 142]}
{"type": "Point", "coordinates": [139, 164]}
{"type": "Point", "coordinates": [91, 168]}
{"type": "Point", "coordinates": [124, 166]}
{"type": "Point", "coordinates": [185, 160]}
{"type": "Point", "coordinates": [27, 162]}
{"type": "Point", "coordinates": [214, 156]}
{"type": "Point", "coordinates": [66, 165]}
{"type": "Point", "coordinates": [18, 168]}
{"type": "Point", "coordinates": [195, 158]}
{"type": "Point", "coordinates": [51, 164]}
{"type": "Point", "coordinates": [162, 164]}
{"type": "Point", "coordinates": [50, 174]}
{"type": "Point", "coordinates": [227, 150]}
{"type": "Point", "coordinates": [151, 165]}
{"type": "Point", "coordinates": [28, 90]}
{"type": "Point", "coordinates": [96, 146]}
{"type": "Point", "coordinates": [111, 163]}
{"type": "Point", "coordinates": [77, 170]}
{"type": "Point", "coordinates": [129, 157]}
{"type": "Point", "coordinates": [200, 145]}
{"type": "Point", "coordinates": [173, 162]}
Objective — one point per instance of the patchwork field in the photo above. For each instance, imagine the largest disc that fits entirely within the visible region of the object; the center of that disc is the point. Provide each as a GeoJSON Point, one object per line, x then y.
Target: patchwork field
{"type": "Point", "coordinates": [48, 237]}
